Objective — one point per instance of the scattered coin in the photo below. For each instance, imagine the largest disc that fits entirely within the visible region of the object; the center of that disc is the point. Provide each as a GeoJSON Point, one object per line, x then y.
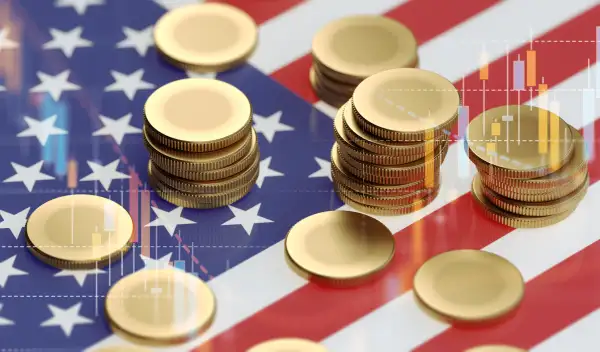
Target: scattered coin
{"type": "Point", "coordinates": [288, 345]}
{"type": "Point", "coordinates": [469, 285]}
{"type": "Point", "coordinates": [79, 231]}
{"type": "Point", "coordinates": [340, 247]}
{"type": "Point", "coordinates": [208, 37]}
{"type": "Point", "coordinates": [160, 307]}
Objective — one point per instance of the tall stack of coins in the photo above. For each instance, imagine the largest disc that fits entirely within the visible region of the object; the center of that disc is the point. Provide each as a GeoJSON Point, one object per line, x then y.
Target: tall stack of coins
{"type": "Point", "coordinates": [348, 50]}
{"type": "Point", "coordinates": [208, 37]}
{"type": "Point", "coordinates": [391, 140]}
{"type": "Point", "coordinates": [203, 149]}
{"type": "Point", "coordinates": [532, 166]}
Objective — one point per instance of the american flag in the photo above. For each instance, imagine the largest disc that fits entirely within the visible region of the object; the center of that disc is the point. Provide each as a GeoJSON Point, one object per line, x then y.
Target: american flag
{"type": "Point", "coordinates": [76, 73]}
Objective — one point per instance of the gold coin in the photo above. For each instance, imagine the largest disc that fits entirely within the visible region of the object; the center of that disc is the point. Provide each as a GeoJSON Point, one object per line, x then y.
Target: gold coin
{"type": "Point", "coordinates": [386, 201]}
{"type": "Point", "coordinates": [79, 231]}
{"type": "Point", "coordinates": [197, 115]}
{"type": "Point", "coordinates": [206, 187]}
{"type": "Point", "coordinates": [520, 157]}
{"type": "Point", "coordinates": [340, 246]}
{"type": "Point", "coordinates": [495, 348]}
{"type": "Point", "coordinates": [288, 345]}
{"type": "Point", "coordinates": [509, 219]}
{"type": "Point", "coordinates": [160, 307]}
{"type": "Point", "coordinates": [535, 194]}
{"type": "Point", "coordinates": [206, 37]}
{"type": "Point", "coordinates": [406, 104]}
{"type": "Point", "coordinates": [350, 181]}
{"type": "Point", "coordinates": [361, 154]}
{"type": "Point", "coordinates": [549, 208]}
{"type": "Point", "coordinates": [407, 172]}
{"type": "Point", "coordinates": [469, 285]}
{"type": "Point", "coordinates": [331, 85]}
{"type": "Point", "coordinates": [359, 46]}
{"type": "Point", "coordinates": [408, 152]}
{"type": "Point", "coordinates": [332, 98]}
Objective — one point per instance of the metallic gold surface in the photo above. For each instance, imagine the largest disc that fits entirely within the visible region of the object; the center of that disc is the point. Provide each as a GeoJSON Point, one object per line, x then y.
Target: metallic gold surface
{"type": "Point", "coordinates": [495, 348]}
{"type": "Point", "coordinates": [359, 185]}
{"type": "Point", "coordinates": [170, 159]}
{"type": "Point", "coordinates": [69, 232]}
{"type": "Point", "coordinates": [509, 219]}
{"type": "Point", "coordinates": [362, 45]}
{"type": "Point", "coordinates": [332, 98]}
{"type": "Point", "coordinates": [387, 201]}
{"type": "Point", "coordinates": [340, 246]}
{"type": "Point", "coordinates": [329, 84]}
{"type": "Point", "coordinates": [288, 345]}
{"type": "Point", "coordinates": [469, 285]}
{"type": "Point", "coordinates": [405, 104]}
{"type": "Point", "coordinates": [549, 208]}
{"type": "Point", "coordinates": [200, 201]}
{"type": "Point", "coordinates": [388, 210]}
{"type": "Point", "coordinates": [519, 158]}
{"type": "Point", "coordinates": [206, 187]}
{"type": "Point", "coordinates": [206, 37]}
{"type": "Point", "coordinates": [409, 151]}
{"type": "Point", "coordinates": [197, 115]}
{"type": "Point", "coordinates": [160, 307]}
{"type": "Point", "coordinates": [535, 194]}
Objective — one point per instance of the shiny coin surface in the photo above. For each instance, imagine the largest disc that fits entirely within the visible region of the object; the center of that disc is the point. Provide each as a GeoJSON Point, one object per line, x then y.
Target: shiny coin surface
{"type": "Point", "coordinates": [288, 345]}
{"type": "Point", "coordinates": [469, 285]}
{"type": "Point", "coordinates": [160, 307]}
{"type": "Point", "coordinates": [512, 149]}
{"type": "Point", "coordinates": [406, 104]}
{"type": "Point", "coordinates": [331, 97]}
{"type": "Point", "coordinates": [386, 201]}
{"type": "Point", "coordinates": [197, 115]}
{"type": "Point", "coordinates": [359, 46]}
{"type": "Point", "coordinates": [495, 348]}
{"type": "Point", "coordinates": [340, 246]}
{"type": "Point", "coordinates": [510, 219]}
{"type": "Point", "coordinates": [206, 37]}
{"type": "Point", "coordinates": [79, 231]}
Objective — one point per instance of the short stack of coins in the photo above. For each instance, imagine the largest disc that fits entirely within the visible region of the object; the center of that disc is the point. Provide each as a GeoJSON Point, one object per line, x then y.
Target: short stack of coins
{"type": "Point", "coordinates": [387, 156]}
{"type": "Point", "coordinates": [531, 163]}
{"type": "Point", "coordinates": [348, 50]}
{"type": "Point", "coordinates": [203, 150]}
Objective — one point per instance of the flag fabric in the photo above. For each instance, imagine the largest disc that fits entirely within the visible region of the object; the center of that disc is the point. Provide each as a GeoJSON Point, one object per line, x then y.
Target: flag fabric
{"type": "Point", "coordinates": [76, 73]}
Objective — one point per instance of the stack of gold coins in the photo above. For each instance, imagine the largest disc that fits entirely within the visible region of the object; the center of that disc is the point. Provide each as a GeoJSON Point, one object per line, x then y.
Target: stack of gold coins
{"type": "Point", "coordinates": [348, 50]}
{"type": "Point", "coordinates": [207, 37]}
{"type": "Point", "coordinates": [391, 139]}
{"type": "Point", "coordinates": [203, 149]}
{"type": "Point", "coordinates": [532, 166]}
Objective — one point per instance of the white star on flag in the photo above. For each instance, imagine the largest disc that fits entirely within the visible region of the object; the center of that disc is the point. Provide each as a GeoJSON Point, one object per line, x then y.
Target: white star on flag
{"type": "Point", "coordinates": [116, 128]}
{"type": "Point", "coordinates": [79, 275]}
{"type": "Point", "coordinates": [29, 175]}
{"type": "Point", "coordinates": [324, 169]}
{"type": "Point", "coordinates": [6, 43]}
{"type": "Point", "coordinates": [14, 222]}
{"type": "Point", "coordinates": [67, 41]}
{"type": "Point", "coordinates": [54, 85]}
{"type": "Point", "coordinates": [41, 129]}
{"type": "Point", "coordinates": [80, 6]}
{"type": "Point", "coordinates": [154, 264]}
{"type": "Point", "coordinates": [246, 218]}
{"type": "Point", "coordinates": [169, 219]}
{"type": "Point", "coordinates": [66, 319]}
{"type": "Point", "coordinates": [104, 174]}
{"type": "Point", "coordinates": [265, 171]}
{"type": "Point", "coordinates": [270, 125]}
{"type": "Point", "coordinates": [128, 84]}
{"type": "Point", "coordinates": [4, 321]}
{"type": "Point", "coordinates": [7, 270]}
{"type": "Point", "coordinates": [140, 40]}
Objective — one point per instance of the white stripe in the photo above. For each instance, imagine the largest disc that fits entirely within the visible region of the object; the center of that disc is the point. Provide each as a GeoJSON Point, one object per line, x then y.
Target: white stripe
{"type": "Point", "coordinates": [581, 336]}
{"type": "Point", "coordinates": [413, 327]}
{"type": "Point", "coordinates": [461, 46]}
{"type": "Point", "coordinates": [289, 36]}
{"type": "Point", "coordinates": [269, 270]}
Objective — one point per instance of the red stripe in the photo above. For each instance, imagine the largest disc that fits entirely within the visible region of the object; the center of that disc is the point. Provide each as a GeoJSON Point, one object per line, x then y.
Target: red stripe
{"type": "Point", "coordinates": [416, 14]}
{"type": "Point", "coordinates": [314, 312]}
{"type": "Point", "coordinates": [262, 10]}
{"type": "Point", "coordinates": [553, 300]}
